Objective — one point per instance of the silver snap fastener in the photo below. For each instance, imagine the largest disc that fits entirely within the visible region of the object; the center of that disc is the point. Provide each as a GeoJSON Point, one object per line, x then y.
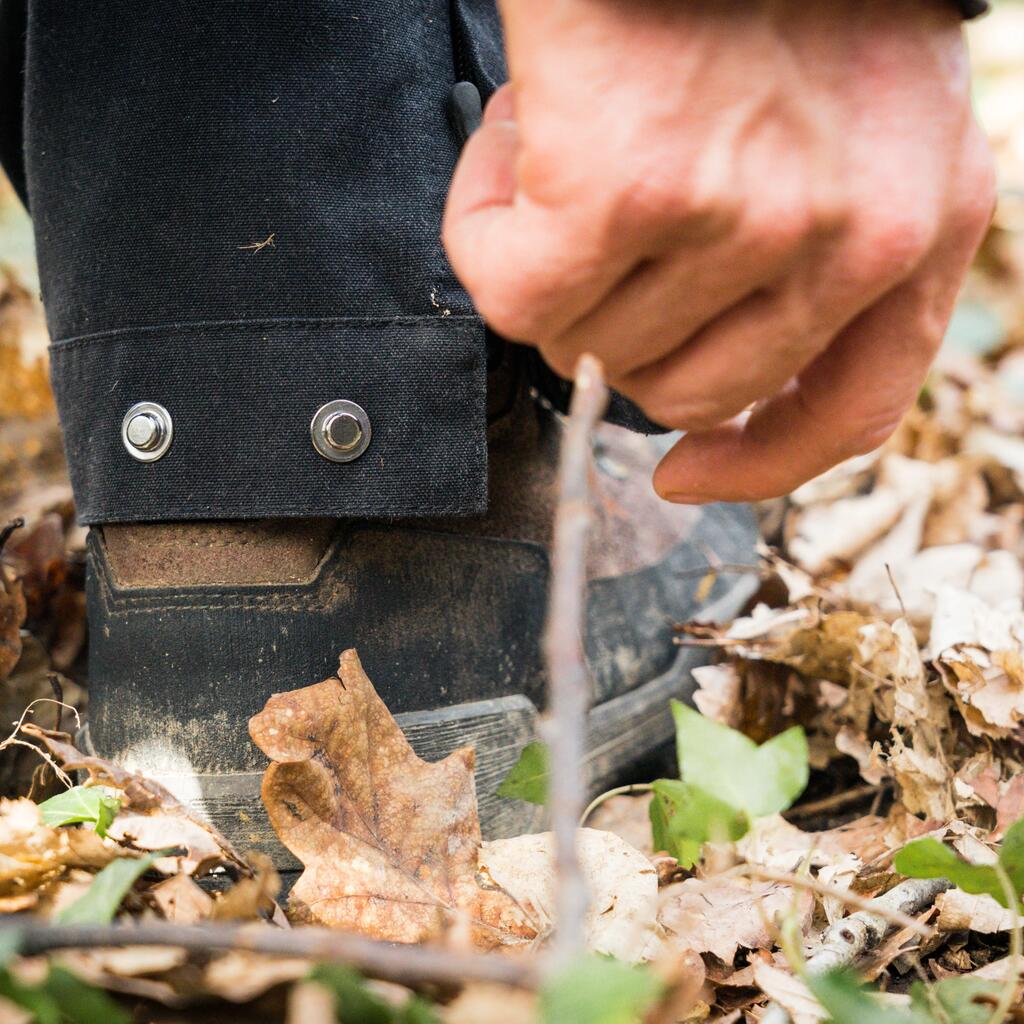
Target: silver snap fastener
{"type": "Point", "coordinates": [147, 431]}
{"type": "Point", "coordinates": [340, 431]}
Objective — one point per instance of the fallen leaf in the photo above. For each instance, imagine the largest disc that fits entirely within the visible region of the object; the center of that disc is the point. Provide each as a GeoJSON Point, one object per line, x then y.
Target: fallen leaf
{"type": "Point", "coordinates": [622, 883]}
{"type": "Point", "coordinates": [962, 911]}
{"type": "Point", "coordinates": [628, 817]}
{"type": "Point", "coordinates": [179, 899]}
{"type": "Point", "coordinates": [389, 842]}
{"type": "Point", "coordinates": [151, 818]}
{"type": "Point", "coordinates": [789, 992]}
{"type": "Point", "coordinates": [720, 915]}
{"type": "Point", "coordinates": [12, 615]}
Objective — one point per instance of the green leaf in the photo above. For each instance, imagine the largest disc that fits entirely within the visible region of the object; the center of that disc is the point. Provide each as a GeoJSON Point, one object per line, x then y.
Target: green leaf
{"type": "Point", "coordinates": [93, 804]}
{"type": "Point", "coordinates": [599, 991]}
{"type": "Point", "coordinates": [100, 901]}
{"type": "Point", "coordinates": [759, 780]}
{"type": "Point", "coordinates": [846, 1002]}
{"type": "Point", "coordinates": [964, 1000]}
{"type": "Point", "coordinates": [528, 779]}
{"type": "Point", "coordinates": [43, 1007]}
{"type": "Point", "coordinates": [684, 817]}
{"type": "Point", "coordinates": [929, 858]}
{"type": "Point", "coordinates": [80, 1003]}
{"type": "Point", "coordinates": [354, 1003]}
{"type": "Point", "coordinates": [62, 997]}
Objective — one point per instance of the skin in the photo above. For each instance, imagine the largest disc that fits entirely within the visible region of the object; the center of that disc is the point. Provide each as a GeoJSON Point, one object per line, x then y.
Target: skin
{"type": "Point", "coordinates": [756, 213]}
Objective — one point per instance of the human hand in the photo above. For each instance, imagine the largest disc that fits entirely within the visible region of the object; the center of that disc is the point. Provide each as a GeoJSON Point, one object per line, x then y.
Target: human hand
{"type": "Point", "coordinates": [757, 215]}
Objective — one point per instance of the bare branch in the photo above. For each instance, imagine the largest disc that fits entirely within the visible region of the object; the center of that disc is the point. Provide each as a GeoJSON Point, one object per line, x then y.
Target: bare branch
{"type": "Point", "coordinates": [564, 724]}
{"type": "Point", "coordinates": [406, 965]}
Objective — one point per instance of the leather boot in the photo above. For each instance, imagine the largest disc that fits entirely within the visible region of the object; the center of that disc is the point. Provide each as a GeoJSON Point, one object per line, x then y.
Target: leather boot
{"type": "Point", "coordinates": [194, 625]}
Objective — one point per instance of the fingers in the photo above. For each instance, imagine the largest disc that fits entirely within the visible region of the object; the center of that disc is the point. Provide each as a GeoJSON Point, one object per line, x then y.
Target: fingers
{"type": "Point", "coordinates": [751, 351]}
{"type": "Point", "coordinates": [845, 403]}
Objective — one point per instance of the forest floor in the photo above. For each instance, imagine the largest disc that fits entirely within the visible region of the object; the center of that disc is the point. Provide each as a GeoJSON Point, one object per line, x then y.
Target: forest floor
{"type": "Point", "coordinates": [850, 794]}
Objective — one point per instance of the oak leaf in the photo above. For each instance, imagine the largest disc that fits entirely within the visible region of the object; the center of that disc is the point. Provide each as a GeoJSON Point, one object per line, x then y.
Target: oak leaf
{"type": "Point", "coordinates": [389, 841]}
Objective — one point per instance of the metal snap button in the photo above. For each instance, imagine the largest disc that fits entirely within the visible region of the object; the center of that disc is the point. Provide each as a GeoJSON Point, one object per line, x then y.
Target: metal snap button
{"type": "Point", "coordinates": [147, 431]}
{"type": "Point", "coordinates": [340, 431]}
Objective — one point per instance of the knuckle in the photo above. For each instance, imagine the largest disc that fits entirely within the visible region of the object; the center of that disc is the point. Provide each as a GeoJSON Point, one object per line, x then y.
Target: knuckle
{"type": "Point", "coordinates": [891, 244]}
{"type": "Point", "coordinates": [976, 199]}
{"type": "Point", "coordinates": [659, 202]}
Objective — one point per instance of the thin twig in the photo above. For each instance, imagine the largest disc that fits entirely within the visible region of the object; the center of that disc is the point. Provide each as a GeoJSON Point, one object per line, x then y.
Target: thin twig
{"type": "Point", "coordinates": [1009, 990]}
{"type": "Point", "coordinates": [563, 726]}
{"type": "Point", "coordinates": [15, 741]}
{"type": "Point", "coordinates": [851, 899]}
{"type": "Point", "coordinates": [633, 787]}
{"type": "Point", "coordinates": [836, 802]}
{"type": "Point", "coordinates": [848, 940]}
{"type": "Point", "coordinates": [407, 965]}
{"type": "Point", "coordinates": [6, 531]}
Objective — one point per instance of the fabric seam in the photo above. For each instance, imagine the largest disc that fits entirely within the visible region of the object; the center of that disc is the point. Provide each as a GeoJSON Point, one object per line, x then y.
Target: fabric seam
{"type": "Point", "coordinates": [77, 340]}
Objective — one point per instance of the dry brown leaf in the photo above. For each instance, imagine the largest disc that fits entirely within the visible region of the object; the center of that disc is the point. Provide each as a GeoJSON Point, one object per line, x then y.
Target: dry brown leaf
{"type": "Point", "coordinates": [32, 853]}
{"type": "Point", "coordinates": [152, 818]}
{"type": "Point", "coordinates": [240, 976]}
{"type": "Point", "coordinates": [961, 911]}
{"type": "Point", "coordinates": [250, 898]}
{"type": "Point", "coordinates": [179, 899]}
{"type": "Point", "coordinates": [389, 841]}
{"type": "Point", "coordinates": [721, 915]}
{"type": "Point", "coordinates": [789, 992]}
{"type": "Point", "coordinates": [12, 615]}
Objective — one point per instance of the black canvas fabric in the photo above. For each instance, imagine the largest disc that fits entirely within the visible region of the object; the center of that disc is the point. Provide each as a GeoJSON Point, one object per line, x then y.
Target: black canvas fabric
{"type": "Point", "coordinates": [156, 144]}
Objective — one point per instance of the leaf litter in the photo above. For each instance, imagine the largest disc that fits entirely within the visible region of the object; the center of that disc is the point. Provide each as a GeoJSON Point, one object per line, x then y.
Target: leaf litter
{"type": "Point", "coordinates": [871, 698]}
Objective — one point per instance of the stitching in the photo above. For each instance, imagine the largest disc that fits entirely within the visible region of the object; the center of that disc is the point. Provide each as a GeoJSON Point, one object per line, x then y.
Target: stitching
{"type": "Point", "coordinates": [74, 341]}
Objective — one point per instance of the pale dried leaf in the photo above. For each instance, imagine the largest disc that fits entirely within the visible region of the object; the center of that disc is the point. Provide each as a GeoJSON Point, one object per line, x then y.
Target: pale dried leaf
{"type": "Point", "coordinates": [622, 883]}
{"type": "Point", "coordinates": [789, 992]}
{"type": "Point", "coordinates": [961, 911]}
{"type": "Point", "coordinates": [718, 915]}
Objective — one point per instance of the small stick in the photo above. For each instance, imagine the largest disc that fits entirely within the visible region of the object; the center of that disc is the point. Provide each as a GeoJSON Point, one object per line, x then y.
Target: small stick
{"type": "Point", "coordinates": [406, 965]}
{"type": "Point", "coordinates": [851, 899]}
{"type": "Point", "coordinates": [836, 802]}
{"type": "Point", "coordinates": [563, 725]}
{"type": "Point", "coordinates": [849, 939]}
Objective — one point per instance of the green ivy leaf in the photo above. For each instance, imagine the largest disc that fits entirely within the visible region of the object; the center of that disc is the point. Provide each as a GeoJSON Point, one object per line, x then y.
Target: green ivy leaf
{"type": "Point", "coordinates": [529, 777]}
{"type": "Point", "coordinates": [684, 817]}
{"type": "Point", "coordinates": [355, 1003]}
{"type": "Point", "coordinates": [62, 998]}
{"type": "Point", "coordinates": [599, 991]}
{"type": "Point", "coordinates": [759, 780]}
{"type": "Point", "coordinates": [93, 804]}
{"type": "Point", "coordinates": [80, 1003]}
{"type": "Point", "coordinates": [929, 858]}
{"type": "Point", "coordinates": [100, 901]}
